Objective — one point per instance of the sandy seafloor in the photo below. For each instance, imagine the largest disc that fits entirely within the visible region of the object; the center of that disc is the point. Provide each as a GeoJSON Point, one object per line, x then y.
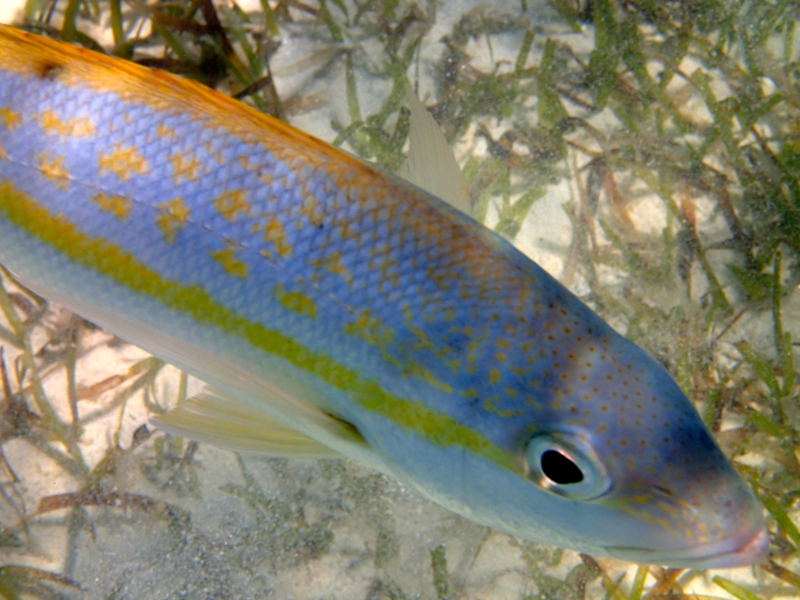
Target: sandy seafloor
{"type": "Point", "coordinates": [311, 529]}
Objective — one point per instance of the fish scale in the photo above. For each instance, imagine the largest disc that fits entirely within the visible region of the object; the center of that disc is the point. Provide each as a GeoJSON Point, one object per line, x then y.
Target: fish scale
{"type": "Point", "coordinates": [352, 307]}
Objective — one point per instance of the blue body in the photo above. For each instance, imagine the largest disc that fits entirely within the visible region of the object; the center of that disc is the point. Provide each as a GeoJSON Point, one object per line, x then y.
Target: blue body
{"type": "Point", "coordinates": [273, 265]}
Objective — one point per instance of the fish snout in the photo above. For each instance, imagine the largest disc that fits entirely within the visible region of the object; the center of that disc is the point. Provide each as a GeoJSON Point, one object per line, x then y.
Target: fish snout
{"type": "Point", "coordinates": [746, 548]}
{"type": "Point", "coordinates": [717, 525]}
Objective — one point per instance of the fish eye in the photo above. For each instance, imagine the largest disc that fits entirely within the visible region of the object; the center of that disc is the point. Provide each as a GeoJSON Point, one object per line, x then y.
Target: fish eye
{"type": "Point", "coordinates": [565, 464]}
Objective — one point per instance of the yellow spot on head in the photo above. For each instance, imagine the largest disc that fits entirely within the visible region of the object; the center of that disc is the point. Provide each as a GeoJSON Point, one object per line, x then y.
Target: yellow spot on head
{"type": "Point", "coordinates": [453, 364]}
{"type": "Point", "coordinates": [494, 376]}
{"type": "Point", "coordinates": [227, 258]}
{"type": "Point", "coordinates": [488, 406]}
{"type": "Point", "coordinates": [172, 216]}
{"type": "Point", "coordinates": [53, 168]}
{"type": "Point", "coordinates": [123, 161]}
{"type": "Point", "coordinates": [232, 203]}
{"type": "Point", "coordinates": [119, 206]}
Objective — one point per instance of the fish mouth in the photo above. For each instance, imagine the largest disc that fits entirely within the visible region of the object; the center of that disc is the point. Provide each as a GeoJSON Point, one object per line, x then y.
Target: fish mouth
{"type": "Point", "coordinates": [739, 551]}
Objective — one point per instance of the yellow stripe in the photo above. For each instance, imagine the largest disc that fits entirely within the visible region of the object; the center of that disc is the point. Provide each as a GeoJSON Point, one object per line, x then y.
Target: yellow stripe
{"type": "Point", "coordinates": [121, 267]}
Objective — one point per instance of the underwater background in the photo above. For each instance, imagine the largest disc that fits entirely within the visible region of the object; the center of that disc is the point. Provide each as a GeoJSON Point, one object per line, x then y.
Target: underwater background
{"type": "Point", "coordinates": [645, 153]}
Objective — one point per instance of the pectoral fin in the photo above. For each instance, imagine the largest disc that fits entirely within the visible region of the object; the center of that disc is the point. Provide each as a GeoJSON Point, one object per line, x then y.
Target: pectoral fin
{"type": "Point", "coordinates": [210, 417]}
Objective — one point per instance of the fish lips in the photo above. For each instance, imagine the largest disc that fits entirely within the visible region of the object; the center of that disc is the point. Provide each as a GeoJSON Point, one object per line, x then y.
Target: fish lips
{"type": "Point", "coordinates": [746, 548]}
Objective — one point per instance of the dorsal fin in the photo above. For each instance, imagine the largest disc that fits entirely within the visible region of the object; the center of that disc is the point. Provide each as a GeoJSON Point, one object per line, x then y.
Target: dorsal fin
{"type": "Point", "coordinates": [431, 163]}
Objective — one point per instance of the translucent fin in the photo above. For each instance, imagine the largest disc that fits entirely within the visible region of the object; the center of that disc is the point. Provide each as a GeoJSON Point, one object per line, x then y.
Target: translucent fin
{"type": "Point", "coordinates": [228, 423]}
{"type": "Point", "coordinates": [431, 163]}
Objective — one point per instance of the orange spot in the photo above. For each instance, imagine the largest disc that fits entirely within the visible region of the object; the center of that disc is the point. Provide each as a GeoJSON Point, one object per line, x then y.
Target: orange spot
{"type": "Point", "coordinates": [232, 203]}
{"type": "Point", "coordinates": [53, 168]}
{"type": "Point", "coordinates": [333, 263]}
{"type": "Point", "coordinates": [276, 234]}
{"type": "Point", "coordinates": [53, 125]}
{"type": "Point", "coordinates": [183, 168]}
{"type": "Point", "coordinates": [172, 217]}
{"type": "Point", "coordinates": [123, 161]}
{"type": "Point", "coordinates": [9, 118]}
{"type": "Point", "coordinates": [370, 329]}
{"type": "Point", "coordinates": [227, 258]}
{"type": "Point", "coordinates": [392, 278]}
{"type": "Point", "coordinates": [311, 210]}
{"type": "Point", "coordinates": [165, 132]}
{"type": "Point", "coordinates": [119, 206]}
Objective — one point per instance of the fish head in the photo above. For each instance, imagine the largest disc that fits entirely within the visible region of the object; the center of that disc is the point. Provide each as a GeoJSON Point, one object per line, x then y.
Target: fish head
{"type": "Point", "coordinates": [671, 495]}
{"type": "Point", "coordinates": [627, 470]}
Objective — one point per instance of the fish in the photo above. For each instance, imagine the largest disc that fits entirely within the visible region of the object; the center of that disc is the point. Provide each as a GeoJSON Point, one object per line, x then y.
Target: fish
{"type": "Point", "coordinates": [335, 309]}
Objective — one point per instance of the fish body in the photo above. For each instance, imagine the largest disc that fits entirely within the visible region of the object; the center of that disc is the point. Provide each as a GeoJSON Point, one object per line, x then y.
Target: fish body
{"type": "Point", "coordinates": [354, 309]}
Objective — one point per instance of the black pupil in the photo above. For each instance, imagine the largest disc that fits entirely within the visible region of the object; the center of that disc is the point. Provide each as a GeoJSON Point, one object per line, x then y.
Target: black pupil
{"type": "Point", "coordinates": [560, 469]}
